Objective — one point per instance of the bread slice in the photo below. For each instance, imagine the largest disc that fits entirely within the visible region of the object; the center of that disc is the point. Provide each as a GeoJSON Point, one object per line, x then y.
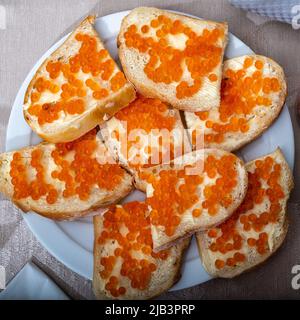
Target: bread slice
{"type": "Point", "coordinates": [194, 192]}
{"type": "Point", "coordinates": [257, 228]}
{"type": "Point", "coordinates": [145, 133]}
{"type": "Point", "coordinates": [44, 178]}
{"type": "Point", "coordinates": [174, 58]}
{"type": "Point", "coordinates": [77, 87]}
{"type": "Point", "coordinates": [125, 266]}
{"type": "Point", "coordinates": [252, 96]}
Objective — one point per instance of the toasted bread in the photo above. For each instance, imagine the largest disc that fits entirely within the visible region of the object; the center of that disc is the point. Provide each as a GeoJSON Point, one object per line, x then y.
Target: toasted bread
{"type": "Point", "coordinates": [194, 192]}
{"type": "Point", "coordinates": [125, 266]}
{"type": "Point", "coordinates": [174, 58]}
{"type": "Point", "coordinates": [77, 87]}
{"type": "Point", "coordinates": [46, 178]}
{"type": "Point", "coordinates": [145, 133]}
{"type": "Point", "coordinates": [251, 99]}
{"type": "Point", "coordinates": [257, 228]}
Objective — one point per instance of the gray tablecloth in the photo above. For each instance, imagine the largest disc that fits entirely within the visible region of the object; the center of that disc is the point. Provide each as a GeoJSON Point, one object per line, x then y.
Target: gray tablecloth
{"type": "Point", "coordinates": [32, 26]}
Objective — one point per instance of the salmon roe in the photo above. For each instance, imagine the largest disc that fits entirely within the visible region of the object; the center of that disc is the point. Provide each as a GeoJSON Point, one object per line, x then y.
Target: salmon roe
{"type": "Point", "coordinates": [175, 192]}
{"type": "Point", "coordinates": [234, 237]}
{"type": "Point", "coordinates": [240, 95]}
{"type": "Point", "coordinates": [201, 55]}
{"type": "Point", "coordinates": [79, 175]}
{"type": "Point", "coordinates": [24, 185]}
{"type": "Point", "coordinates": [73, 92]}
{"type": "Point", "coordinates": [147, 114]}
{"type": "Point", "coordinates": [84, 171]}
{"type": "Point", "coordinates": [128, 227]}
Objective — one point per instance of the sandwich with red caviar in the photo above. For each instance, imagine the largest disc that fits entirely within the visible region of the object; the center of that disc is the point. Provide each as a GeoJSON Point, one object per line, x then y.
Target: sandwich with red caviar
{"type": "Point", "coordinates": [253, 92]}
{"type": "Point", "coordinates": [65, 180]}
{"type": "Point", "coordinates": [257, 228]}
{"type": "Point", "coordinates": [77, 87]}
{"type": "Point", "coordinates": [174, 58]}
{"type": "Point", "coordinates": [194, 192]}
{"type": "Point", "coordinates": [125, 265]}
{"type": "Point", "coordinates": [145, 133]}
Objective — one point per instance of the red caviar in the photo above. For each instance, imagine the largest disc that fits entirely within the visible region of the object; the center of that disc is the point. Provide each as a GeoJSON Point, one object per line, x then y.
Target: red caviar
{"type": "Point", "coordinates": [129, 226]}
{"type": "Point", "coordinates": [240, 94]}
{"type": "Point", "coordinates": [226, 238]}
{"type": "Point", "coordinates": [177, 199]}
{"type": "Point", "coordinates": [84, 171]}
{"type": "Point", "coordinates": [73, 92]}
{"type": "Point", "coordinates": [25, 186]}
{"type": "Point", "coordinates": [79, 175]}
{"type": "Point", "coordinates": [201, 55]}
{"type": "Point", "coordinates": [147, 114]}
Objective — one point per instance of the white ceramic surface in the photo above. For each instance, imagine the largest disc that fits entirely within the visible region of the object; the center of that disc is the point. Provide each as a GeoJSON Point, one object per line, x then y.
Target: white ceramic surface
{"type": "Point", "coordinates": [31, 283]}
{"type": "Point", "coordinates": [72, 242]}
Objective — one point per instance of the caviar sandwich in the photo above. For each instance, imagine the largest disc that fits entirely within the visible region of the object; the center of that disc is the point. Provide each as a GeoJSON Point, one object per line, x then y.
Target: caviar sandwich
{"type": "Point", "coordinates": [192, 200]}
{"type": "Point", "coordinates": [125, 265]}
{"type": "Point", "coordinates": [257, 228]}
{"type": "Point", "coordinates": [76, 88]}
{"type": "Point", "coordinates": [65, 180]}
{"type": "Point", "coordinates": [152, 130]}
{"type": "Point", "coordinates": [172, 57]}
{"type": "Point", "coordinates": [253, 92]}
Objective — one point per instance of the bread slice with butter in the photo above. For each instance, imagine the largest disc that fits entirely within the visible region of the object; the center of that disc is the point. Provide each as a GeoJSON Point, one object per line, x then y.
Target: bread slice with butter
{"type": "Point", "coordinates": [194, 192]}
{"type": "Point", "coordinates": [257, 228]}
{"type": "Point", "coordinates": [172, 57]}
{"type": "Point", "coordinates": [63, 181]}
{"type": "Point", "coordinates": [145, 133]}
{"type": "Point", "coordinates": [252, 95]}
{"type": "Point", "coordinates": [77, 87]}
{"type": "Point", "coordinates": [125, 265]}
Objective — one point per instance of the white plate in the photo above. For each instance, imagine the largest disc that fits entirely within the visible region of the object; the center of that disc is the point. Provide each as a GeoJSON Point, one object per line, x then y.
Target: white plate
{"type": "Point", "coordinates": [72, 242]}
